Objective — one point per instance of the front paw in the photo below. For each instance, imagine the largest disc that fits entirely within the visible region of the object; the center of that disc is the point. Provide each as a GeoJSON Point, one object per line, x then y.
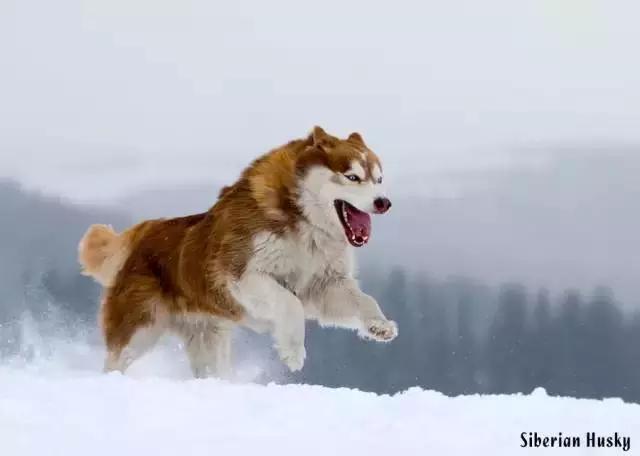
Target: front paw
{"type": "Point", "coordinates": [293, 356]}
{"type": "Point", "coordinates": [380, 330]}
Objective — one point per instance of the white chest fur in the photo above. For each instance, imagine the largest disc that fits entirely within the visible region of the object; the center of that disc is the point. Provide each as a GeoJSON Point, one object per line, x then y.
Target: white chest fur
{"type": "Point", "coordinates": [301, 259]}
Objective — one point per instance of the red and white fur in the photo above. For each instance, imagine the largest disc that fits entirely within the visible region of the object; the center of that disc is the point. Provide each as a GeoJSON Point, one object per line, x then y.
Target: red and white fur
{"type": "Point", "coordinates": [276, 249]}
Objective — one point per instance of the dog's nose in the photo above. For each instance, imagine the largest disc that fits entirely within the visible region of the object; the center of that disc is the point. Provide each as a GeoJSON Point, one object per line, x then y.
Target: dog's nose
{"type": "Point", "coordinates": [382, 205]}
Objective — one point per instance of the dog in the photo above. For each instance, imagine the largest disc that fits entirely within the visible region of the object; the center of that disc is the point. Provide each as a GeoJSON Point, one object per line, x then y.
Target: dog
{"type": "Point", "coordinates": [275, 249]}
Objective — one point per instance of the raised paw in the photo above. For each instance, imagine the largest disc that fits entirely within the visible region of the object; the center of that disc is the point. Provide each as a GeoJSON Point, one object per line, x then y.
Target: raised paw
{"type": "Point", "coordinates": [381, 330]}
{"type": "Point", "coordinates": [293, 356]}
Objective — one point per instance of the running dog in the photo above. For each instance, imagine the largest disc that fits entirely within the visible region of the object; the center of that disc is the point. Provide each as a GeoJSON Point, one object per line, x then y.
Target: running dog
{"type": "Point", "coordinates": [276, 249]}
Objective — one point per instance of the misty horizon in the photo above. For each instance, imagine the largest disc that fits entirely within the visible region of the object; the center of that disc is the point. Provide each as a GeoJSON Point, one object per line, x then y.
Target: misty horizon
{"type": "Point", "coordinates": [121, 97]}
{"type": "Point", "coordinates": [558, 224]}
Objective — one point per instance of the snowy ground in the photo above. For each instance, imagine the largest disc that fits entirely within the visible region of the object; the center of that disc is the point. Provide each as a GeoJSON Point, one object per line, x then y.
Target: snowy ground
{"type": "Point", "coordinates": [58, 403]}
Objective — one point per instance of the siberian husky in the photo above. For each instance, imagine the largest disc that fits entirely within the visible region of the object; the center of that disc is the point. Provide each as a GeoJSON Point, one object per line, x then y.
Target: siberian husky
{"type": "Point", "coordinates": [275, 249]}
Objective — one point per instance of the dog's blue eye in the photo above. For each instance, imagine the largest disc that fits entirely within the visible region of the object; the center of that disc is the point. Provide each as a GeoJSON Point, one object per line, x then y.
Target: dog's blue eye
{"type": "Point", "coordinates": [352, 177]}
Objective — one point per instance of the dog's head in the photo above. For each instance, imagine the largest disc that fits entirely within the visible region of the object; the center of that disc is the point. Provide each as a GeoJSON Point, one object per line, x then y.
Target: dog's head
{"type": "Point", "coordinates": [341, 184]}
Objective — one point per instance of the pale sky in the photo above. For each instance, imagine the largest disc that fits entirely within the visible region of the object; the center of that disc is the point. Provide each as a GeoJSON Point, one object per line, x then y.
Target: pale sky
{"type": "Point", "coordinates": [102, 98]}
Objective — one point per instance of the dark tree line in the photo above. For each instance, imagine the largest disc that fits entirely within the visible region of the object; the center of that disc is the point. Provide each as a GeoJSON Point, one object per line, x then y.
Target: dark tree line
{"type": "Point", "coordinates": [456, 336]}
{"type": "Point", "coordinates": [459, 337]}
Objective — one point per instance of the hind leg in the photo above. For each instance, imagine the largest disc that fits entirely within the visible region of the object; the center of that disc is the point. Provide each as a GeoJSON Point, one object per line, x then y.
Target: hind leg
{"type": "Point", "coordinates": [224, 354]}
{"type": "Point", "coordinates": [132, 324]}
{"type": "Point", "coordinates": [208, 346]}
{"type": "Point", "coordinates": [141, 341]}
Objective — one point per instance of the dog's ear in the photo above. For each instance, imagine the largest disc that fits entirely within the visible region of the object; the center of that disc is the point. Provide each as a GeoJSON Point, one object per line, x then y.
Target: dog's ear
{"type": "Point", "coordinates": [318, 135]}
{"type": "Point", "coordinates": [321, 138]}
{"type": "Point", "coordinates": [356, 138]}
{"type": "Point", "coordinates": [225, 190]}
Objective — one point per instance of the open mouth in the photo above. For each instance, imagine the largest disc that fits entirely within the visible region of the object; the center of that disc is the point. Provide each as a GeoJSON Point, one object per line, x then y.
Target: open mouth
{"type": "Point", "coordinates": [356, 224]}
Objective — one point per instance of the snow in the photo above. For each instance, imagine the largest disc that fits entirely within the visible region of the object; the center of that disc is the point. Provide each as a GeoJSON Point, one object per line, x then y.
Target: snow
{"type": "Point", "coordinates": [59, 403]}
{"type": "Point", "coordinates": [95, 414]}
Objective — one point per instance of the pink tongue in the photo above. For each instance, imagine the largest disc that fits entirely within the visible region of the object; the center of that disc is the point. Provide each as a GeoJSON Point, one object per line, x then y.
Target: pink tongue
{"type": "Point", "coordinates": [360, 223]}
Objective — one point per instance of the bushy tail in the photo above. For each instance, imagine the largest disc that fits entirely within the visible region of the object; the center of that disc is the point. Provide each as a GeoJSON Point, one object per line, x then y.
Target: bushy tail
{"type": "Point", "coordinates": [102, 253]}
